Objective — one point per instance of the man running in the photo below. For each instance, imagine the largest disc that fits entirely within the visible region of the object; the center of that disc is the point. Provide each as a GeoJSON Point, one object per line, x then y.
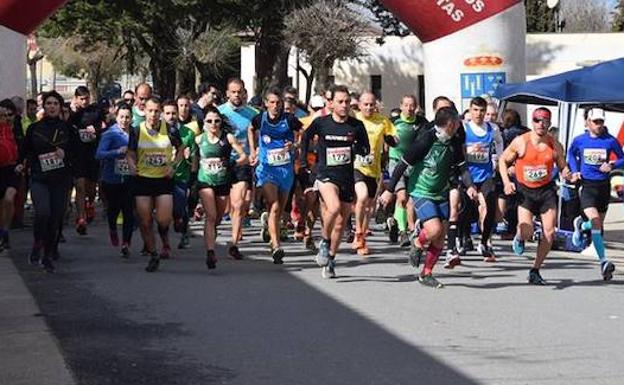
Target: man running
{"type": "Point", "coordinates": [142, 93]}
{"type": "Point", "coordinates": [275, 161]}
{"type": "Point", "coordinates": [534, 155]}
{"type": "Point", "coordinates": [588, 158]}
{"type": "Point", "coordinates": [435, 158]}
{"type": "Point", "coordinates": [239, 117]}
{"type": "Point", "coordinates": [150, 157]}
{"type": "Point", "coordinates": [368, 168]}
{"type": "Point", "coordinates": [482, 140]}
{"type": "Point", "coordinates": [86, 126]}
{"type": "Point", "coordinates": [407, 126]}
{"type": "Point", "coordinates": [340, 138]}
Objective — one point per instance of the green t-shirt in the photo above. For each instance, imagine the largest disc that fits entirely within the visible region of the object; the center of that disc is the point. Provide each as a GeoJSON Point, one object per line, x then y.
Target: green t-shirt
{"type": "Point", "coordinates": [430, 176]}
{"type": "Point", "coordinates": [183, 171]}
{"type": "Point", "coordinates": [406, 129]}
{"type": "Point", "coordinates": [213, 160]}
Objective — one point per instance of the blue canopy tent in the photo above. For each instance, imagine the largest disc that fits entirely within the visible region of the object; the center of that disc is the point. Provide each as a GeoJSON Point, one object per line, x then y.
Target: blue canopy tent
{"type": "Point", "coordinates": [601, 85]}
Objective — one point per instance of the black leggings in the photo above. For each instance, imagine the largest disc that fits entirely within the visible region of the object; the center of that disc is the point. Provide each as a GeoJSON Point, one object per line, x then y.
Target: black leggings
{"type": "Point", "coordinates": [120, 199]}
{"type": "Point", "coordinates": [49, 200]}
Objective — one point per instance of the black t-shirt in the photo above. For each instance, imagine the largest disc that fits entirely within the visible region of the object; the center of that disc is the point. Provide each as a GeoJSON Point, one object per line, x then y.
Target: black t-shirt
{"type": "Point", "coordinates": [89, 116]}
{"type": "Point", "coordinates": [42, 140]}
{"type": "Point", "coordinates": [338, 143]}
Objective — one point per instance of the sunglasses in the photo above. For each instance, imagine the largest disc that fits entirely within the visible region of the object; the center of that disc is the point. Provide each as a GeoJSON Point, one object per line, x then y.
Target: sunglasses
{"type": "Point", "coordinates": [211, 121]}
{"type": "Point", "coordinates": [544, 121]}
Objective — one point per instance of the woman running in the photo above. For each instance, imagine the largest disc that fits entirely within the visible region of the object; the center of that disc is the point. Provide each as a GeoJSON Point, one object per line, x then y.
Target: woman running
{"type": "Point", "coordinates": [116, 177]}
{"type": "Point", "coordinates": [214, 147]}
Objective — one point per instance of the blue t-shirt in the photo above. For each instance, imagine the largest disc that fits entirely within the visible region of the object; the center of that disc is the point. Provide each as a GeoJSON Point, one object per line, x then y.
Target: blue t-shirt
{"type": "Point", "coordinates": [240, 120]}
{"type": "Point", "coordinates": [587, 154]}
{"type": "Point", "coordinates": [114, 166]}
{"type": "Point", "coordinates": [273, 137]}
{"type": "Point", "coordinates": [479, 153]}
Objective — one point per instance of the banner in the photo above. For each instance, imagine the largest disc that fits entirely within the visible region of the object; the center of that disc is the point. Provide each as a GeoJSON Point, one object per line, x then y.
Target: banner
{"type": "Point", "coordinates": [24, 16]}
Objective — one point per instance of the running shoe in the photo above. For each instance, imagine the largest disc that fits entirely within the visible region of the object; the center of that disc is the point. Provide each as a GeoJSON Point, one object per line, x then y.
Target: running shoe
{"type": "Point", "coordinates": [415, 255]}
{"type": "Point", "coordinates": [264, 224]}
{"type": "Point", "coordinates": [125, 251]}
{"type": "Point", "coordinates": [607, 268]}
{"type": "Point", "coordinates": [577, 236]}
{"type": "Point", "coordinates": [486, 252]}
{"type": "Point", "coordinates": [502, 227]}
{"type": "Point", "coordinates": [329, 271]}
{"type": "Point", "coordinates": [47, 265]}
{"type": "Point", "coordinates": [35, 257]}
{"type": "Point", "coordinates": [404, 240]}
{"type": "Point", "coordinates": [517, 246]}
{"type": "Point", "coordinates": [185, 242]}
{"type": "Point", "coordinates": [246, 222]}
{"type": "Point", "coordinates": [535, 278]}
{"type": "Point", "coordinates": [153, 263]}
{"type": "Point", "coordinates": [278, 255]}
{"type": "Point", "coordinates": [114, 238]}
{"type": "Point", "coordinates": [380, 215]}
{"type": "Point", "coordinates": [468, 245]}
{"type": "Point", "coordinates": [363, 250]}
{"type": "Point", "coordinates": [452, 259]}
{"type": "Point", "coordinates": [211, 259]}
{"type": "Point", "coordinates": [350, 236]}
{"type": "Point", "coordinates": [81, 226]}
{"type": "Point", "coordinates": [165, 252]}
{"type": "Point", "coordinates": [235, 253]}
{"type": "Point", "coordinates": [429, 281]}
{"type": "Point", "coordinates": [393, 229]}
{"type": "Point", "coordinates": [308, 243]}
{"type": "Point", "coordinates": [322, 257]}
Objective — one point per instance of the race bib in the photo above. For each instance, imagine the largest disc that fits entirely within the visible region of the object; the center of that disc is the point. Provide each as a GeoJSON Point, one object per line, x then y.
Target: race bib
{"type": "Point", "coordinates": [121, 167]}
{"type": "Point", "coordinates": [338, 156]}
{"type": "Point", "coordinates": [477, 153]}
{"type": "Point", "coordinates": [50, 161]}
{"type": "Point", "coordinates": [535, 174]}
{"type": "Point", "coordinates": [155, 159]}
{"type": "Point", "coordinates": [595, 156]}
{"type": "Point", "coordinates": [86, 137]}
{"type": "Point", "coordinates": [212, 166]}
{"type": "Point", "coordinates": [278, 157]}
{"type": "Point", "coordinates": [364, 161]}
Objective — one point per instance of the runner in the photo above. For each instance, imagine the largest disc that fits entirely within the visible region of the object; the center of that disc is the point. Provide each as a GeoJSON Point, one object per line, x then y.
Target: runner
{"type": "Point", "coordinates": [182, 172]}
{"type": "Point", "coordinates": [588, 158]}
{"type": "Point", "coordinates": [239, 117]}
{"type": "Point", "coordinates": [534, 156]}
{"type": "Point", "coordinates": [340, 137]}
{"type": "Point", "coordinates": [435, 157]}
{"type": "Point", "coordinates": [150, 153]}
{"type": "Point", "coordinates": [86, 124]}
{"type": "Point", "coordinates": [47, 151]}
{"type": "Point", "coordinates": [142, 93]}
{"type": "Point", "coordinates": [407, 126]}
{"type": "Point", "coordinates": [214, 148]}
{"type": "Point", "coordinates": [275, 164]}
{"type": "Point", "coordinates": [9, 179]}
{"type": "Point", "coordinates": [368, 167]}
{"type": "Point", "coordinates": [482, 140]}
{"type": "Point", "coordinates": [116, 178]}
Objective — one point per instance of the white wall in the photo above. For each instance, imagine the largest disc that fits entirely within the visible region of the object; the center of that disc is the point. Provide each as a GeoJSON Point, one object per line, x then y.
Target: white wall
{"type": "Point", "coordinates": [12, 63]}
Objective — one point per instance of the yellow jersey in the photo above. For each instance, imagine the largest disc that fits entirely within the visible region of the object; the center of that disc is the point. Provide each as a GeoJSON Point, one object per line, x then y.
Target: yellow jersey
{"type": "Point", "coordinates": [154, 152]}
{"type": "Point", "coordinates": [377, 126]}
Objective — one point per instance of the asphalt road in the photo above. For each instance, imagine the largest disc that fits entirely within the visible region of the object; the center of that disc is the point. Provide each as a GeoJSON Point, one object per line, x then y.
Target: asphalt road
{"type": "Point", "coordinates": [251, 322]}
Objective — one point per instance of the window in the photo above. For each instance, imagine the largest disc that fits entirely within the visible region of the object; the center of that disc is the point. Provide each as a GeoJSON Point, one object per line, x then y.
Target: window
{"type": "Point", "coordinates": [376, 86]}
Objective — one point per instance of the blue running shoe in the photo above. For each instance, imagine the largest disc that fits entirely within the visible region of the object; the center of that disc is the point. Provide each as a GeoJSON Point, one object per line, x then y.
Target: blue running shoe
{"type": "Point", "coordinates": [517, 246]}
{"type": "Point", "coordinates": [577, 236]}
{"type": "Point", "coordinates": [322, 257]}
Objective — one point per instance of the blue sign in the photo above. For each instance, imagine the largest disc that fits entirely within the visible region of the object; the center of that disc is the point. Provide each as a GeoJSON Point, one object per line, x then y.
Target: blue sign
{"type": "Point", "coordinates": [479, 84]}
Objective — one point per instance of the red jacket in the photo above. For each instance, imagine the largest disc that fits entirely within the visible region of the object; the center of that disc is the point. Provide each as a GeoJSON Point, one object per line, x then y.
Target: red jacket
{"type": "Point", "coordinates": [8, 146]}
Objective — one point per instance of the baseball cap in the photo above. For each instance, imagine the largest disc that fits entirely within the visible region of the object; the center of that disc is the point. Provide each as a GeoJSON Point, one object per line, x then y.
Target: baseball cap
{"type": "Point", "coordinates": [541, 113]}
{"type": "Point", "coordinates": [596, 114]}
{"type": "Point", "coordinates": [317, 101]}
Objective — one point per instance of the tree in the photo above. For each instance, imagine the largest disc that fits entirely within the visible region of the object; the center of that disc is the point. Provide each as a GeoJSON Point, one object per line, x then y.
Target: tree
{"type": "Point", "coordinates": [617, 24]}
{"type": "Point", "coordinates": [390, 25]}
{"type": "Point", "coordinates": [581, 17]}
{"type": "Point", "coordinates": [539, 18]}
{"type": "Point", "coordinates": [325, 32]}
{"type": "Point", "coordinates": [96, 63]}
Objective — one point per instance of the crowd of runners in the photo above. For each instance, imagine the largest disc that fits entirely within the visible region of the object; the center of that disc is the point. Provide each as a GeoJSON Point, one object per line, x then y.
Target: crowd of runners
{"type": "Point", "coordinates": [339, 159]}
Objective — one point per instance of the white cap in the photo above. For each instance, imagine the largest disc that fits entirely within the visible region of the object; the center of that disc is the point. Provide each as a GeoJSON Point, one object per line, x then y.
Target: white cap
{"type": "Point", "coordinates": [317, 101]}
{"type": "Point", "coordinates": [596, 114]}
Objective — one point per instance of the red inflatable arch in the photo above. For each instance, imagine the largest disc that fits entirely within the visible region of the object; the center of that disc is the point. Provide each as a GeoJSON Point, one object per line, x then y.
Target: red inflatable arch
{"type": "Point", "coordinates": [24, 16]}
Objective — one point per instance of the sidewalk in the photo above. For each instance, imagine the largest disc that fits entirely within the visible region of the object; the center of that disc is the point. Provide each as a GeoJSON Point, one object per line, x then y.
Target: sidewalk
{"type": "Point", "coordinates": [29, 353]}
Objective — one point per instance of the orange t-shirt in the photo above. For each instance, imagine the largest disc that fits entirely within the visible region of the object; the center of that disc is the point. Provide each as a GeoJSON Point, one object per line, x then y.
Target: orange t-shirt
{"type": "Point", "coordinates": [535, 168]}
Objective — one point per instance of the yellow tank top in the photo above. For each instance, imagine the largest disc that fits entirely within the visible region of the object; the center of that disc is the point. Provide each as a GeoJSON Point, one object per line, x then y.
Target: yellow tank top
{"type": "Point", "coordinates": [154, 152]}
